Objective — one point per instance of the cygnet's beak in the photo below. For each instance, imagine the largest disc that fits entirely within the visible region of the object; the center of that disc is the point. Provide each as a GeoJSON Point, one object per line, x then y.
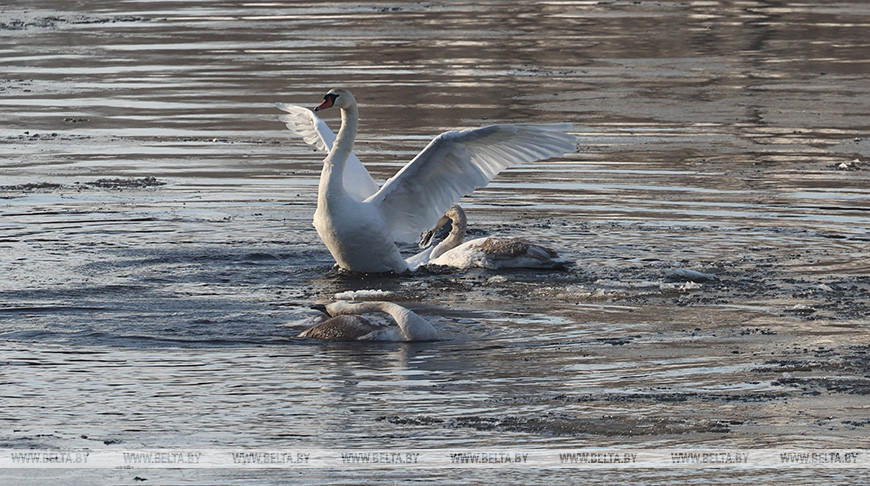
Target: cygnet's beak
{"type": "Point", "coordinates": [426, 238]}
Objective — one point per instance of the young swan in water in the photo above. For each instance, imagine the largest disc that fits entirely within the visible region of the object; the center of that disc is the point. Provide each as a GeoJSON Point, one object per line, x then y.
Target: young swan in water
{"type": "Point", "coordinates": [489, 252]}
{"type": "Point", "coordinates": [345, 322]}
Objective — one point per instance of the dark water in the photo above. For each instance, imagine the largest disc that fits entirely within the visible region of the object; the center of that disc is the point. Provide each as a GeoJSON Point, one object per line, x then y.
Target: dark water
{"type": "Point", "coordinates": [155, 231]}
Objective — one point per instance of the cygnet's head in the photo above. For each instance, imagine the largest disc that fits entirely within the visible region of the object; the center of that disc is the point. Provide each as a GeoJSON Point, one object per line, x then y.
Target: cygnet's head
{"type": "Point", "coordinates": [455, 215]}
{"type": "Point", "coordinates": [337, 97]}
{"type": "Point", "coordinates": [334, 308]}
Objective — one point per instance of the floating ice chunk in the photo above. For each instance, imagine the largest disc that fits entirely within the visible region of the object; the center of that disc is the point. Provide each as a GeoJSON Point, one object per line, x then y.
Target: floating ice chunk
{"type": "Point", "coordinates": [579, 293]}
{"type": "Point", "coordinates": [803, 309]}
{"type": "Point", "coordinates": [620, 284]}
{"type": "Point", "coordinates": [853, 165]}
{"type": "Point", "coordinates": [684, 287]}
{"type": "Point", "coordinates": [684, 274]}
{"type": "Point", "coordinates": [363, 294]}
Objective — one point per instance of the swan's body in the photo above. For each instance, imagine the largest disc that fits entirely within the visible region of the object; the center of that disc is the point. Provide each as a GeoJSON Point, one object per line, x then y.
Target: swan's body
{"type": "Point", "coordinates": [489, 252]}
{"type": "Point", "coordinates": [358, 322]}
{"type": "Point", "coordinates": [360, 225]}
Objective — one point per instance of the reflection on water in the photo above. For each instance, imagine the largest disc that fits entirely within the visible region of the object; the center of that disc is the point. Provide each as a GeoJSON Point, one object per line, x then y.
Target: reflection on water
{"type": "Point", "coordinates": [725, 140]}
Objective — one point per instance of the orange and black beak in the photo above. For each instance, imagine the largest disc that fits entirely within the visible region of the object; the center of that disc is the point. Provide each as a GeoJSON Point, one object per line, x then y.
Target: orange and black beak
{"type": "Point", "coordinates": [328, 101]}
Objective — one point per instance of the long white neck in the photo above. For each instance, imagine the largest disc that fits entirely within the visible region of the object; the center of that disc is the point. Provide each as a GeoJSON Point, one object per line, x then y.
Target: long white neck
{"type": "Point", "coordinates": [459, 225]}
{"type": "Point", "coordinates": [413, 327]}
{"type": "Point", "coordinates": [331, 179]}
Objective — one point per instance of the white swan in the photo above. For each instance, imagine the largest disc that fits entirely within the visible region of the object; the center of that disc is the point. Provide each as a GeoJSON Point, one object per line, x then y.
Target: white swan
{"type": "Point", "coordinates": [360, 226]}
{"type": "Point", "coordinates": [346, 323]}
{"type": "Point", "coordinates": [489, 252]}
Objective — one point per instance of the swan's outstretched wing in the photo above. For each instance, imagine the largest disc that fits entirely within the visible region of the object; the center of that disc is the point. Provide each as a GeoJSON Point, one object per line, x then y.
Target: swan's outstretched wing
{"type": "Point", "coordinates": [456, 163]}
{"type": "Point", "coordinates": [304, 123]}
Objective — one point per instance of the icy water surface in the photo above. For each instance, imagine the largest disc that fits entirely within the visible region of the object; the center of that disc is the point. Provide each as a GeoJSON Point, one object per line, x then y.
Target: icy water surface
{"type": "Point", "coordinates": [155, 235]}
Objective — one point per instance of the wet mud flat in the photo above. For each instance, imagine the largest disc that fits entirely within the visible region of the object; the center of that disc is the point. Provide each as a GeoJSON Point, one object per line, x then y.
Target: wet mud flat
{"type": "Point", "coordinates": [156, 238]}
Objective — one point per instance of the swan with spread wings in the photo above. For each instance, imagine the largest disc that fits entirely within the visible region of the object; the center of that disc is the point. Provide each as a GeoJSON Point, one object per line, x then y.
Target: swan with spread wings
{"type": "Point", "coordinates": [360, 223]}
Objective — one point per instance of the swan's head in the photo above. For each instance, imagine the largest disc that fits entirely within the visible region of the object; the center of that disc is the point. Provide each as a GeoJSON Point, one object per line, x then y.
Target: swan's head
{"type": "Point", "coordinates": [337, 97]}
{"type": "Point", "coordinates": [427, 237]}
{"type": "Point", "coordinates": [333, 309]}
{"type": "Point", "coordinates": [455, 215]}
